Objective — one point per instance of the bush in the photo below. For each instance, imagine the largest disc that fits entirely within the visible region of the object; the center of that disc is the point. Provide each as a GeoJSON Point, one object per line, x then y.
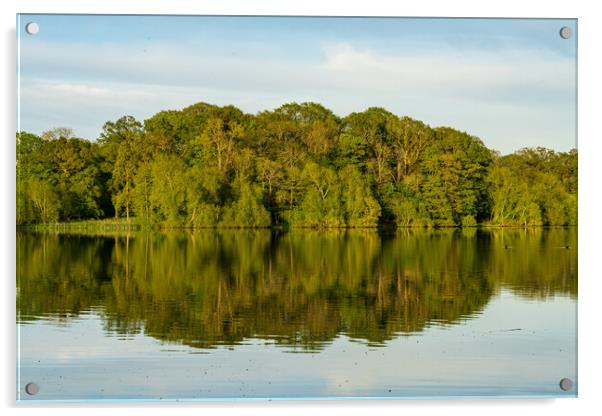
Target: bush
{"type": "Point", "coordinates": [469, 221]}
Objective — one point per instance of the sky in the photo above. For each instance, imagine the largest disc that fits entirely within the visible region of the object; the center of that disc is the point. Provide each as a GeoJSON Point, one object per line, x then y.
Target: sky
{"type": "Point", "coordinates": [511, 82]}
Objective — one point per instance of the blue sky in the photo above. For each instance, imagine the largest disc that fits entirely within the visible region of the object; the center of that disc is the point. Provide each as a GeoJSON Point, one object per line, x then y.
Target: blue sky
{"type": "Point", "coordinates": [510, 82]}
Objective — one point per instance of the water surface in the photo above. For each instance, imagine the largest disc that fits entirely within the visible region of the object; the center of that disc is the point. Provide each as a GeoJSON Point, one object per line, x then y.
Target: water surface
{"type": "Point", "coordinates": [264, 314]}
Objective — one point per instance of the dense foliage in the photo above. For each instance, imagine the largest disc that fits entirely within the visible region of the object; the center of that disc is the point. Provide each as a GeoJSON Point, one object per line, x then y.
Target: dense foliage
{"type": "Point", "coordinates": [299, 165]}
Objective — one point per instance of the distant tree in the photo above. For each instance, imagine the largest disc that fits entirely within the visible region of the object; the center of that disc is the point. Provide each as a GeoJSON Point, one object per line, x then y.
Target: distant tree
{"type": "Point", "coordinates": [124, 129]}
{"type": "Point", "coordinates": [74, 173]}
{"type": "Point", "coordinates": [124, 171]}
{"type": "Point", "coordinates": [503, 194]}
{"type": "Point", "coordinates": [533, 187]}
{"type": "Point", "coordinates": [166, 132]}
{"type": "Point", "coordinates": [120, 148]}
{"type": "Point", "coordinates": [321, 205]}
{"type": "Point", "coordinates": [169, 189]}
{"type": "Point", "coordinates": [204, 196]}
{"type": "Point", "coordinates": [247, 210]}
{"type": "Point", "coordinates": [219, 141]}
{"type": "Point", "coordinates": [140, 195]}
{"type": "Point", "coordinates": [57, 133]}
{"type": "Point", "coordinates": [270, 171]}
{"type": "Point", "coordinates": [371, 126]}
{"type": "Point", "coordinates": [409, 140]}
{"type": "Point", "coordinates": [351, 150]}
{"type": "Point", "coordinates": [44, 201]}
{"type": "Point", "coordinates": [360, 207]}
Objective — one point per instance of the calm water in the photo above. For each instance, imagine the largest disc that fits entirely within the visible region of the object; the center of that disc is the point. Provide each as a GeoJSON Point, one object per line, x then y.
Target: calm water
{"type": "Point", "coordinates": [260, 314]}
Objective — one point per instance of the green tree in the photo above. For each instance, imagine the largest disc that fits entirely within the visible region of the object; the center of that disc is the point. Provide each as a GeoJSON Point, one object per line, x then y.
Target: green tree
{"type": "Point", "coordinates": [409, 140]}
{"type": "Point", "coordinates": [204, 195]}
{"type": "Point", "coordinates": [360, 207]}
{"type": "Point", "coordinates": [219, 142]}
{"type": "Point", "coordinates": [321, 205]}
{"type": "Point", "coordinates": [76, 177]}
{"type": "Point", "coordinates": [372, 126]}
{"type": "Point", "coordinates": [44, 201]}
{"type": "Point", "coordinates": [114, 133]}
{"type": "Point", "coordinates": [124, 171]}
{"type": "Point", "coordinates": [533, 187]}
{"type": "Point", "coordinates": [247, 210]}
{"type": "Point", "coordinates": [169, 185]}
{"type": "Point", "coordinates": [120, 148]}
{"type": "Point", "coordinates": [141, 195]}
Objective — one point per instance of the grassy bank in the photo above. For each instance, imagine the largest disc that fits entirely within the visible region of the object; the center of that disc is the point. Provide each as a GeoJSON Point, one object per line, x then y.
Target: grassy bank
{"type": "Point", "coordinates": [121, 224]}
{"type": "Point", "coordinates": [104, 225]}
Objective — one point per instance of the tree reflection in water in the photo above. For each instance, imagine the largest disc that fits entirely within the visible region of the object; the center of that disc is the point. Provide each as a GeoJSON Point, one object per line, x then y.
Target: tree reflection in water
{"type": "Point", "coordinates": [300, 288]}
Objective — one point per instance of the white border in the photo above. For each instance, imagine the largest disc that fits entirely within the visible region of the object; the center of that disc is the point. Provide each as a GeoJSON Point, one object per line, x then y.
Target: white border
{"type": "Point", "coordinates": [590, 189]}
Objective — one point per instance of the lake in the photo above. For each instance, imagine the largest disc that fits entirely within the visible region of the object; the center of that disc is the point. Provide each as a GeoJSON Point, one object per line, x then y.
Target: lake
{"type": "Point", "coordinates": [264, 314]}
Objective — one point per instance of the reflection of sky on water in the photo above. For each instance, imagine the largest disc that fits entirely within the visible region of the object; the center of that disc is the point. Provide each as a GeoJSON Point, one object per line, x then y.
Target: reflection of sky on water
{"type": "Point", "coordinates": [514, 347]}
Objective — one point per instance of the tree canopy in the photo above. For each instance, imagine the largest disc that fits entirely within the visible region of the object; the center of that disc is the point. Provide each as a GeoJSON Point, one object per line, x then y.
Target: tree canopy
{"type": "Point", "coordinates": [299, 165]}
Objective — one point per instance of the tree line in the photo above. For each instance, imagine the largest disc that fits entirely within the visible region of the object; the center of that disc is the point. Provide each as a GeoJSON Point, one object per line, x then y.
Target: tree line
{"type": "Point", "coordinates": [299, 165]}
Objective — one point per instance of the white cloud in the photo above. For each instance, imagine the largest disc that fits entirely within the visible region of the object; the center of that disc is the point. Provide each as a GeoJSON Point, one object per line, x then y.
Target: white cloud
{"type": "Point", "coordinates": [343, 66]}
{"type": "Point", "coordinates": [84, 90]}
{"type": "Point", "coordinates": [94, 92]}
{"type": "Point", "coordinates": [508, 97]}
{"type": "Point", "coordinates": [87, 106]}
{"type": "Point", "coordinates": [452, 71]}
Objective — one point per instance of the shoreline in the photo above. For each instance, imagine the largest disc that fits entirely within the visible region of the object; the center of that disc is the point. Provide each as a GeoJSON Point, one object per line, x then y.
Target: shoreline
{"type": "Point", "coordinates": [104, 225]}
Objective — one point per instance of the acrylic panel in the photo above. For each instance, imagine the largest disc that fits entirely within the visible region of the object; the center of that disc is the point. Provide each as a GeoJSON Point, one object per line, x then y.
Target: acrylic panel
{"type": "Point", "coordinates": [226, 208]}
